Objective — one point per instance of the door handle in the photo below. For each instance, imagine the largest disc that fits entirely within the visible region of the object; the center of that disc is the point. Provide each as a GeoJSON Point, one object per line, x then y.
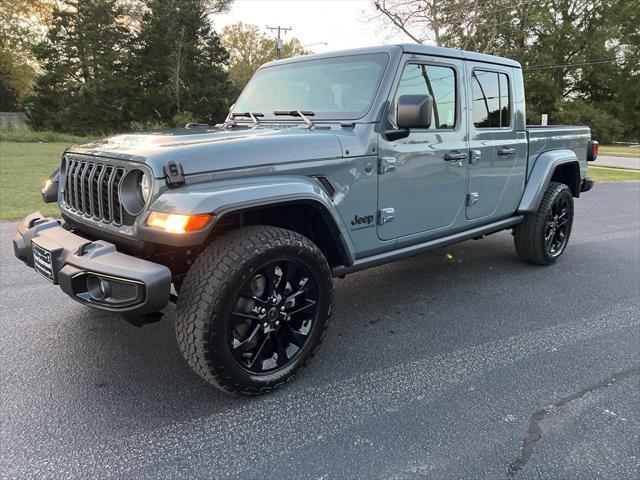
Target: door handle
{"type": "Point", "coordinates": [449, 156]}
{"type": "Point", "coordinates": [506, 151]}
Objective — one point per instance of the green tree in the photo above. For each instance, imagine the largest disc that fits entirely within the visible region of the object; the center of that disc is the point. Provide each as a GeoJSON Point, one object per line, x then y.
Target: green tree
{"type": "Point", "coordinates": [21, 26]}
{"type": "Point", "coordinates": [85, 58]}
{"type": "Point", "coordinates": [614, 87]}
{"type": "Point", "coordinates": [249, 48]}
{"type": "Point", "coordinates": [576, 54]}
{"type": "Point", "coordinates": [566, 48]}
{"type": "Point", "coordinates": [179, 64]}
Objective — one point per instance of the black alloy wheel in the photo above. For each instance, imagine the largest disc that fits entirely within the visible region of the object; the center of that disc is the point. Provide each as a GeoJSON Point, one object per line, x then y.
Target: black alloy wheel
{"type": "Point", "coordinates": [542, 236]}
{"type": "Point", "coordinates": [274, 315]}
{"type": "Point", "coordinates": [556, 233]}
{"type": "Point", "coordinates": [254, 308]}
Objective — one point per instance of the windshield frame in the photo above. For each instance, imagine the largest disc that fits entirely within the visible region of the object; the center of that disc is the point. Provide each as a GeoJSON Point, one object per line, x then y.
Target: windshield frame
{"type": "Point", "coordinates": [318, 117]}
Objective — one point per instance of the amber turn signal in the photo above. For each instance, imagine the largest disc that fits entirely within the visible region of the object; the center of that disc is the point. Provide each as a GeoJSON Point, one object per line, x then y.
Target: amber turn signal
{"type": "Point", "coordinates": [177, 223]}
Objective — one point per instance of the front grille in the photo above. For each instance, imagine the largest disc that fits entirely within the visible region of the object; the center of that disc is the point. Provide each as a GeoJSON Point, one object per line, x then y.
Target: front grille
{"type": "Point", "coordinates": [91, 189]}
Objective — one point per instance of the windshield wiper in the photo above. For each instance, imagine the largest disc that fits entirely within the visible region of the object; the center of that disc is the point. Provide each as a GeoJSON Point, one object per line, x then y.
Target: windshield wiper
{"type": "Point", "coordinates": [296, 113]}
{"type": "Point", "coordinates": [252, 115]}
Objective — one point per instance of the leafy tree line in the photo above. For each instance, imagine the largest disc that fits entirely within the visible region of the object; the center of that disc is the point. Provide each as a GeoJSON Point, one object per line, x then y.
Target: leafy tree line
{"type": "Point", "coordinates": [93, 66]}
{"type": "Point", "coordinates": [112, 65]}
{"type": "Point", "coordinates": [19, 20]}
{"type": "Point", "coordinates": [109, 65]}
{"type": "Point", "coordinates": [580, 57]}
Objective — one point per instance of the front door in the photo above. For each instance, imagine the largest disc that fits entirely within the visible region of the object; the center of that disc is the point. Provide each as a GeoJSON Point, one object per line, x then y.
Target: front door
{"type": "Point", "coordinates": [422, 178]}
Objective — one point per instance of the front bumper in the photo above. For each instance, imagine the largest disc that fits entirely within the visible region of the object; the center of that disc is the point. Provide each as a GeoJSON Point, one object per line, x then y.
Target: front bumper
{"type": "Point", "coordinates": [93, 273]}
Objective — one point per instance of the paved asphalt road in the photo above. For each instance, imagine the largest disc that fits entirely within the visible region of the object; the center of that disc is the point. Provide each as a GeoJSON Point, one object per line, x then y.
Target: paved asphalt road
{"type": "Point", "coordinates": [619, 162]}
{"type": "Point", "coordinates": [475, 367]}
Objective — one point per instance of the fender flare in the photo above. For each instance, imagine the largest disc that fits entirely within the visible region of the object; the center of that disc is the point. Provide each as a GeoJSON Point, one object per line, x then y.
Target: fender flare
{"type": "Point", "coordinates": [544, 167]}
{"type": "Point", "coordinates": [223, 197]}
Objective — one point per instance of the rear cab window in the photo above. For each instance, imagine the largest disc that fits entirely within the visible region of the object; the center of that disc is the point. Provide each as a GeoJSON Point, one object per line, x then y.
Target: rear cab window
{"type": "Point", "coordinates": [491, 99]}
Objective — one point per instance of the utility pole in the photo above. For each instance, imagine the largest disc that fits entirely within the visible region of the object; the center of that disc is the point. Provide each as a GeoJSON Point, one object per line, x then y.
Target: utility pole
{"type": "Point", "coordinates": [279, 41]}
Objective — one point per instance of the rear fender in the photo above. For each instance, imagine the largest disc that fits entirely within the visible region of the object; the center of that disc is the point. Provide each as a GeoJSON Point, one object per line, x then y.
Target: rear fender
{"type": "Point", "coordinates": [541, 175]}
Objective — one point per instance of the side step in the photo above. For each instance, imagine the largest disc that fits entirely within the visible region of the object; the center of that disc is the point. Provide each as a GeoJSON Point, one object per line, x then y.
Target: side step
{"type": "Point", "coordinates": [410, 251]}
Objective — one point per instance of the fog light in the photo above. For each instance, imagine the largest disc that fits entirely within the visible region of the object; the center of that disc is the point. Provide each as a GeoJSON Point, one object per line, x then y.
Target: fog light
{"type": "Point", "coordinates": [98, 288]}
{"type": "Point", "coordinates": [177, 223]}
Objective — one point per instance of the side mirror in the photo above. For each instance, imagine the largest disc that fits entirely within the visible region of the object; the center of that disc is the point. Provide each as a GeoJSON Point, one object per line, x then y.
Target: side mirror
{"type": "Point", "coordinates": [414, 111]}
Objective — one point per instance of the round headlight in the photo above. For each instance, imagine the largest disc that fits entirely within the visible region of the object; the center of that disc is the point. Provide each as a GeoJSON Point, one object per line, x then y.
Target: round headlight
{"type": "Point", "coordinates": [145, 187]}
{"type": "Point", "coordinates": [135, 190]}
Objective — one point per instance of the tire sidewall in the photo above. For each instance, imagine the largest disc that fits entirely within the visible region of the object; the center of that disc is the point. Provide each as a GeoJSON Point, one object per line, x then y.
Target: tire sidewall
{"type": "Point", "coordinates": [219, 356]}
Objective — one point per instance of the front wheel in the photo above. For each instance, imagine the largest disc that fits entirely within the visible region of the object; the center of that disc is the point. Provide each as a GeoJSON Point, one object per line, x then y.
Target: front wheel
{"type": "Point", "coordinates": [543, 235]}
{"type": "Point", "coordinates": [253, 309]}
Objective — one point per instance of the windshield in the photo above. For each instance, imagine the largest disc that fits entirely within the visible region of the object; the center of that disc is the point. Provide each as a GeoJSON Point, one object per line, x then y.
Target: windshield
{"type": "Point", "coordinates": [336, 88]}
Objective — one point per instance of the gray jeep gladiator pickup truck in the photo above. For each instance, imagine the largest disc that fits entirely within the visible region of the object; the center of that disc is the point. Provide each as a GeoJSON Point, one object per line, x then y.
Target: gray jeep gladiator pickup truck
{"type": "Point", "coordinates": [326, 165]}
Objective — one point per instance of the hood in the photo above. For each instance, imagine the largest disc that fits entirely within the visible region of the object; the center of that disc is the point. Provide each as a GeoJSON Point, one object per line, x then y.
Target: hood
{"type": "Point", "coordinates": [214, 149]}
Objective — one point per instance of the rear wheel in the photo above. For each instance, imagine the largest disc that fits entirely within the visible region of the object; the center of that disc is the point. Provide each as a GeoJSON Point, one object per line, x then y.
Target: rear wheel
{"type": "Point", "coordinates": [543, 235]}
{"type": "Point", "coordinates": [253, 309]}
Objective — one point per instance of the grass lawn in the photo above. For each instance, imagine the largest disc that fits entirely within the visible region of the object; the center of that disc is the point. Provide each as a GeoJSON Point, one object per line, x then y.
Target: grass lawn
{"type": "Point", "coordinates": [25, 135]}
{"type": "Point", "coordinates": [619, 151]}
{"type": "Point", "coordinates": [24, 168]}
{"type": "Point", "coordinates": [610, 174]}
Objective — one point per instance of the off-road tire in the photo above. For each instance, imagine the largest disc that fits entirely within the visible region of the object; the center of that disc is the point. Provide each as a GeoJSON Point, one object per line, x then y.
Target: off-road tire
{"type": "Point", "coordinates": [529, 234]}
{"type": "Point", "coordinates": [210, 290]}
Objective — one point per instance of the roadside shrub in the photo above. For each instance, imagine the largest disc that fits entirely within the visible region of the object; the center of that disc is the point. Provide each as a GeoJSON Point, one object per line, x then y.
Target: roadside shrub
{"type": "Point", "coordinates": [182, 118]}
{"type": "Point", "coordinates": [143, 126]}
{"type": "Point", "coordinates": [604, 127]}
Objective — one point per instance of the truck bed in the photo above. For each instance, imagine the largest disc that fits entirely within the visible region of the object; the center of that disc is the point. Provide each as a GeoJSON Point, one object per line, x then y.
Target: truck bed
{"type": "Point", "coordinates": [543, 138]}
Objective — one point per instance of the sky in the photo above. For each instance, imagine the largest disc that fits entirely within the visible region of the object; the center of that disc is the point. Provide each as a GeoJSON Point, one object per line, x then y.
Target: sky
{"type": "Point", "coordinates": [321, 25]}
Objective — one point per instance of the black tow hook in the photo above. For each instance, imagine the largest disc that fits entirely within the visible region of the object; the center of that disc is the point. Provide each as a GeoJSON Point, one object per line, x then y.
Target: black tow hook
{"type": "Point", "coordinates": [84, 248]}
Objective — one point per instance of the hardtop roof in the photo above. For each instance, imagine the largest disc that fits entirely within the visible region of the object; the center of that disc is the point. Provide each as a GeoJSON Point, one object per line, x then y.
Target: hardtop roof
{"type": "Point", "coordinates": [414, 48]}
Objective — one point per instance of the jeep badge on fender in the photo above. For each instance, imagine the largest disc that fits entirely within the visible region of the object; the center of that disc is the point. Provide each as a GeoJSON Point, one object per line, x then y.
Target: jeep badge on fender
{"type": "Point", "coordinates": [359, 220]}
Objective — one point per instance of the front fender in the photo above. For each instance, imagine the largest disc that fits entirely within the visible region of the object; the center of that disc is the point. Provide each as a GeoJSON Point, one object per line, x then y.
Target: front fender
{"type": "Point", "coordinates": [225, 196]}
{"type": "Point", "coordinates": [538, 182]}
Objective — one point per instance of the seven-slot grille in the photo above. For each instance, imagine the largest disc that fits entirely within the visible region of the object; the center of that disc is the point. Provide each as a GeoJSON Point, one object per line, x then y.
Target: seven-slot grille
{"type": "Point", "coordinates": [91, 189]}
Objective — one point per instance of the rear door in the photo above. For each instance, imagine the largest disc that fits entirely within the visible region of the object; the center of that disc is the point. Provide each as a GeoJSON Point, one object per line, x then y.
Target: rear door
{"type": "Point", "coordinates": [422, 178]}
{"type": "Point", "coordinates": [494, 141]}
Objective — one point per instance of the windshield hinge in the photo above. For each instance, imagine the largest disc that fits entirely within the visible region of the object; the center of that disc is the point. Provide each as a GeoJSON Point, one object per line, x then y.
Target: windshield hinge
{"type": "Point", "coordinates": [173, 174]}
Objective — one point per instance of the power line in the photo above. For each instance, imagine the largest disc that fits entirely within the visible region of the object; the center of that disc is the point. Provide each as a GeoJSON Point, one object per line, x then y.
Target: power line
{"type": "Point", "coordinates": [477, 6]}
{"type": "Point", "coordinates": [565, 65]}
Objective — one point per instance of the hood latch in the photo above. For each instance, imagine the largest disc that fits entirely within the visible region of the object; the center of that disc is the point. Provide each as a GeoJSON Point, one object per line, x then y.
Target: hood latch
{"type": "Point", "coordinates": [173, 174]}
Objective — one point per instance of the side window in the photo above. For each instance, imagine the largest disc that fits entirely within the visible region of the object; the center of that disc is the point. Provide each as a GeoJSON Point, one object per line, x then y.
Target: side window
{"type": "Point", "coordinates": [437, 81]}
{"type": "Point", "coordinates": [491, 100]}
